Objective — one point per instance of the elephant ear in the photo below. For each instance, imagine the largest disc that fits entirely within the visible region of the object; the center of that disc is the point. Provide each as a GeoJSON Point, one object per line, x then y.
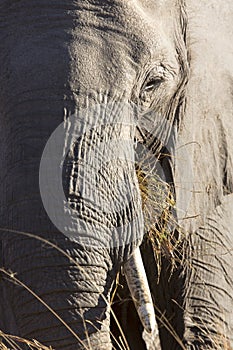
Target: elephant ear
{"type": "Point", "coordinates": [207, 131]}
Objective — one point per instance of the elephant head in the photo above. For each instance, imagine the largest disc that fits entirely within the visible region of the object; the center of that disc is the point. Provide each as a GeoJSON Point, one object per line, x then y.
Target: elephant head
{"type": "Point", "coordinates": [82, 82]}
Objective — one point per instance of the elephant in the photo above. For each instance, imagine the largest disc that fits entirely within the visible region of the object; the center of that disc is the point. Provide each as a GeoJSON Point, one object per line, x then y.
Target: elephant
{"type": "Point", "coordinates": [93, 93]}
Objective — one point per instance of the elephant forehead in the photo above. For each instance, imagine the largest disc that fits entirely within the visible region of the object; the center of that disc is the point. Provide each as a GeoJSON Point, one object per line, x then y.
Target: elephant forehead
{"type": "Point", "coordinates": [93, 43]}
{"type": "Point", "coordinates": [135, 23]}
{"type": "Point", "coordinates": [118, 37]}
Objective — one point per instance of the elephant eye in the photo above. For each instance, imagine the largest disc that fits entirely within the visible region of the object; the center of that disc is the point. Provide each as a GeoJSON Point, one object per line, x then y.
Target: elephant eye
{"type": "Point", "coordinates": [147, 93]}
{"type": "Point", "coordinates": [152, 84]}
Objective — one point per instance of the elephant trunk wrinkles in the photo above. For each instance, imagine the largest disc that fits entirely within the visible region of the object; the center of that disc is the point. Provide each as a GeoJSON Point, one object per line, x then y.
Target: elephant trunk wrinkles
{"type": "Point", "coordinates": [79, 293]}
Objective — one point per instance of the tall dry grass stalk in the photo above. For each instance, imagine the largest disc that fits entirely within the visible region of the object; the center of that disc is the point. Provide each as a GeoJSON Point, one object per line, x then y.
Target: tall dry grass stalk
{"type": "Point", "coordinates": [14, 343]}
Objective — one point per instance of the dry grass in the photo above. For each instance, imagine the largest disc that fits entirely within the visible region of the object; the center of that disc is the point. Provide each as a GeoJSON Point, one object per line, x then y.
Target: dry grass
{"type": "Point", "coordinates": [158, 205]}
{"type": "Point", "coordinates": [15, 343]}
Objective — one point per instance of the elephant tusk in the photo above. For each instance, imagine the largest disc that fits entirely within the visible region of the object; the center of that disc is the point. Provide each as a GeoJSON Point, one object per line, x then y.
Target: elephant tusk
{"type": "Point", "coordinates": [138, 285]}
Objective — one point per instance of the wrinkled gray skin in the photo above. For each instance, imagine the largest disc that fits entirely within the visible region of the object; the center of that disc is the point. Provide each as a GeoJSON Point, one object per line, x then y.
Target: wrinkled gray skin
{"type": "Point", "coordinates": [57, 58]}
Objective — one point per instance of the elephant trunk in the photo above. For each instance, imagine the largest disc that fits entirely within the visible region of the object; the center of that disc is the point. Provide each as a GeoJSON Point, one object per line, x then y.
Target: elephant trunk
{"type": "Point", "coordinates": [66, 304]}
{"type": "Point", "coordinates": [76, 283]}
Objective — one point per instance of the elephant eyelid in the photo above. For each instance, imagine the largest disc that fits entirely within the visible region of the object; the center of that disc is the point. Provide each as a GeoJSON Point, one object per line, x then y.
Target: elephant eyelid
{"type": "Point", "coordinates": [152, 81]}
{"type": "Point", "coordinates": [154, 78]}
{"type": "Point", "coordinates": [152, 84]}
